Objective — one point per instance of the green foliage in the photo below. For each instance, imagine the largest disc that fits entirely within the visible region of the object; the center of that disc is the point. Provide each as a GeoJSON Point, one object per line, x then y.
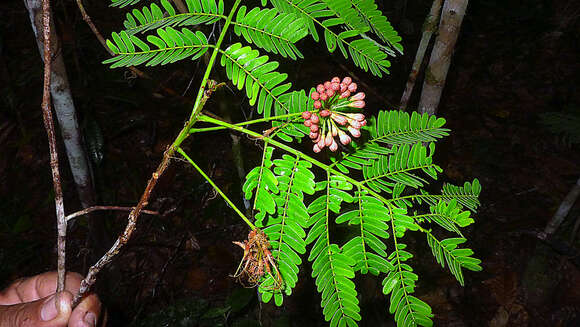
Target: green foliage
{"type": "Point", "coordinates": [286, 225]}
{"type": "Point", "coordinates": [375, 190]}
{"type": "Point", "coordinates": [345, 24]}
{"type": "Point", "coordinates": [343, 29]}
{"type": "Point", "coordinates": [400, 283]}
{"type": "Point", "coordinates": [467, 196]}
{"type": "Point", "coordinates": [123, 3]}
{"type": "Point", "coordinates": [374, 19]}
{"type": "Point", "coordinates": [153, 17]}
{"type": "Point", "coordinates": [272, 31]}
{"type": "Point", "coordinates": [377, 208]}
{"type": "Point", "coordinates": [171, 44]}
{"type": "Point", "coordinates": [263, 84]}
{"type": "Point", "coordinates": [367, 249]}
{"type": "Point", "coordinates": [446, 251]}
{"type": "Point", "coordinates": [332, 268]}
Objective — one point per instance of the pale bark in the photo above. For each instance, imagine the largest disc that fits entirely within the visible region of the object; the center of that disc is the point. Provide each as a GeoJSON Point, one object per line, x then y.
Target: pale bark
{"type": "Point", "coordinates": [40, 11]}
{"type": "Point", "coordinates": [181, 7]}
{"type": "Point", "coordinates": [429, 26]}
{"type": "Point", "coordinates": [64, 108]}
{"type": "Point", "coordinates": [436, 73]}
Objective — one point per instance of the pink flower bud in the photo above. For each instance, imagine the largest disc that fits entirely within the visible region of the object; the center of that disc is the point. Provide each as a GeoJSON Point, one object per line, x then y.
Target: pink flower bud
{"type": "Point", "coordinates": [358, 96]}
{"type": "Point", "coordinates": [354, 123]}
{"type": "Point", "coordinates": [323, 96]}
{"type": "Point", "coordinates": [334, 86]}
{"type": "Point", "coordinates": [316, 148]}
{"type": "Point", "coordinates": [333, 130]}
{"type": "Point", "coordinates": [314, 118]}
{"type": "Point", "coordinates": [341, 120]}
{"type": "Point", "coordinates": [344, 139]}
{"type": "Point", "coordinates": [343, 87]}
{"type": "Point", "coordinates": [327, 85]}
{"type": "Point", "coordinates": [306, 114]}
{"type": "Point", "coordinates": [313, 135]}
{"type": "Point", "coordinates": [317, 104]}
{"type": "Point", "coordinates": [320, 88]}
{"type": "Point", "coordinates": [347, 80]}
{"type": "Point", "coordinates": [352, 87]}
{"type": "Point", "coordinates": [328, 140]}
{"type": "Point", "coordinates": [335, 79]}
{"type": "Point", "coordinates": [344, 94]}
{"type": "Point", "coordinates": [333, 146]}
{"type": "Point", "coordinates": [321, 142]}
{"type": "Point", "coordinates": [359, 117]}
{"type": "Point", "coordinates": [363, 123]}
{"type": "Point", "coordinates": [353, 131]}
{"type": "Point", "coordinates": [314, 128]}
{"type": "Point", "coordinates": [330, 92]}
{"type": "Point", "coordinates": [308, 123]}
{"type": "Point", "coordinates": [315, 95]}
{"type": "Point", "coordinates": [357, 104]}
{"type": "Point", "coordinates": [324, 113]}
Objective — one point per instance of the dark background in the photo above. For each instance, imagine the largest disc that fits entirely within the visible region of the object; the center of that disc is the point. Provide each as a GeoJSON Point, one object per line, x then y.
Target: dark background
{"type": "Point", "coordinates": [514, 62]}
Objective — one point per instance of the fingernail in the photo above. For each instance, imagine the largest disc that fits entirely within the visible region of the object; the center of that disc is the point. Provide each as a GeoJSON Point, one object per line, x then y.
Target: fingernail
{"type": "Point", "coordinates": [49, 311]}
{"type": "Point", "coordinates": [90, 319]}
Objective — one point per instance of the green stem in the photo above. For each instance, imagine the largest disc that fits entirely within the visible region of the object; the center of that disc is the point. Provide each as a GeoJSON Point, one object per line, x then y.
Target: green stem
{"type": "Point", "coordinates": [249, 122]}
{"type": "Point", "coordinates": [287, 148]}
{"type": "Point", "coordinates": [201, 94]}
{"type": "Point", "coordinates": [211, 182]}
{"type": "Point", "coordinates": [297, 153]}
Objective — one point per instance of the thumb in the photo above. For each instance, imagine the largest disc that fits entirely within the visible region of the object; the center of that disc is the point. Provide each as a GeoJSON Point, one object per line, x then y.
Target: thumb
{"type": "Point", "coordinates": [51, 311]}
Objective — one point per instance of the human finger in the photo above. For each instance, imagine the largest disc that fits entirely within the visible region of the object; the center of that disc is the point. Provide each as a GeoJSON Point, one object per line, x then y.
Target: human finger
{"type": "Point", "coordinates": [52, 311]}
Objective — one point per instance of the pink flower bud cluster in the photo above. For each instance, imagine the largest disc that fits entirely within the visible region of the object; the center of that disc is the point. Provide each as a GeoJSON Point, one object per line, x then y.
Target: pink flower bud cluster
{"type": "Point", "coordinates": [329, 89]}
{"type": "Point", "coordinates": [329, 121]}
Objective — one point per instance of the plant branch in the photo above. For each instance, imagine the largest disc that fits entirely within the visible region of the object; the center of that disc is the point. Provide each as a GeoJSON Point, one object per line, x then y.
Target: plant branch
{"type": "Point", "coordinates": [245, 123]}
{"type": "Point", "coordinates": [289, 149]}
{"type": "Point", "coordinates": [97, 208]}
{"type": "Point", "coordinates": [204, 93]}
{"type": "Point", "coordinates": [49, 126]}
{"type": "Point", "coordinates": [213, 184]}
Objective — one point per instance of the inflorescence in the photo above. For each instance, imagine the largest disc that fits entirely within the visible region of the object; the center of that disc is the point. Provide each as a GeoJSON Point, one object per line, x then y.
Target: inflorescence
{"type": "Point", "coordinates": [335, 112]}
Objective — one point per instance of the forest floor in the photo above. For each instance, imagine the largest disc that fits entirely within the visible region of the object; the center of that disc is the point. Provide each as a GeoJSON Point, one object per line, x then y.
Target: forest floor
{"type": "Point", "coordinates": [511, 69]}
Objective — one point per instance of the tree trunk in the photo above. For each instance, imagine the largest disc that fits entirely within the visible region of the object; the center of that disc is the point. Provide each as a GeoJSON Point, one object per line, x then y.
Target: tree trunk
{"type": "Point", "coordinates": [429, 26]}
{"type": "Point", "coordinates": [64, 108]}
{"type": "Point", "coordinates": [436, 73]}
{"type": "Point", "coordinates": [69, 127]}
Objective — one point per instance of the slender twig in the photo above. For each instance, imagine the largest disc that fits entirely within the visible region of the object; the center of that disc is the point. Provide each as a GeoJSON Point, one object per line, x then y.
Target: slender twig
{"type": "Point", "coordinates": [429, 26]}
{"type": "Point", "coordinates": [563, 209]}
{"type": "Point", "coordinates": [101, 39]}
{"type": "Point", "coordinates": [214, 185]}
{"type": "Point", "coordinates": [205, 90]}
{"type": "Point", "coordinates": [97, 208]}
{"type": "Point", "coordinates": [49, 126]}
{"type": "Point", "coordinates": [92, 26]}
